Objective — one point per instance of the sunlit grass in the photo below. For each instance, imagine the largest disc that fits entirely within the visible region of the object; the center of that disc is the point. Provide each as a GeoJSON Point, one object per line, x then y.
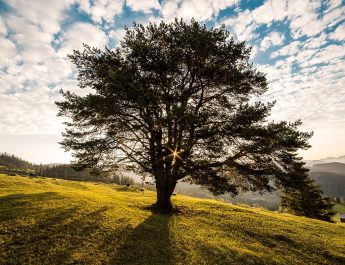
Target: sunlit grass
{"type": "Point", "coordinates": [46, 221]}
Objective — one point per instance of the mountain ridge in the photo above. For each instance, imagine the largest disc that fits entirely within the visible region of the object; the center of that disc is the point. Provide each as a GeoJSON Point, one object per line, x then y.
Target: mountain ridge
{"type": "Point", "coordinates": [339, 159]}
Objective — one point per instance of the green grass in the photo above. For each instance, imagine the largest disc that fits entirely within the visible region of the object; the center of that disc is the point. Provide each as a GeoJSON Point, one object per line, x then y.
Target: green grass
{"type": "Point", "coordinates": [340, 208]}
{"type": "Point", "coordinates": [46, 221]}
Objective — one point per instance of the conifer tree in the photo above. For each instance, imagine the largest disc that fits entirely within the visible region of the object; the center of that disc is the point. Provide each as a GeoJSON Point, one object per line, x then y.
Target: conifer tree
{"type": "Point", "coordinates": [305, 197]}
{"type": "Point", "coordinates": [175, 101]}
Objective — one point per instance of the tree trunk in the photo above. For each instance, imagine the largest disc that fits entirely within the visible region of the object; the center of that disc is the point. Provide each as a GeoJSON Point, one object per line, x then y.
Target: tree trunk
{"type": "Point", "coordinates": [164, 191]}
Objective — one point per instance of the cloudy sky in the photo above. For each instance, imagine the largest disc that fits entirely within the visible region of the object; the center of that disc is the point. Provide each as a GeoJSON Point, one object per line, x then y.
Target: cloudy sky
{"type": "Point", "coordinates": [299, 44]}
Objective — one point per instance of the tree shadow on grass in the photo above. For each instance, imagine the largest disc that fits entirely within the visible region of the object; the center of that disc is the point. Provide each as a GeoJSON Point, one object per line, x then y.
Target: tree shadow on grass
{"type": "Point", "coordinates": [148, 243]}
{"type": "Point", "coordinates": [56, 233]}
{"type": "Point", "coordinates": [17, 205]}
{"type": "Point", "coordinates": [32, 233]}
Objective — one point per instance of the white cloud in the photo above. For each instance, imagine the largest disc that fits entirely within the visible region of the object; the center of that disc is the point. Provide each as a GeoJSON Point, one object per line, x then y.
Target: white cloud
{"type": "Point", "coordinates": [80, 33]}
{"type": "Point", "coordinates": [304, 55]}
{"type": "Point", "coordinates": [34, 45]}
{"type": "Point", "coordinates": [218, 5]}
{"type": "Point", "coordinates": [303, 16]}
{"type": "Point", "coordinates": [243, 26]}
{"type": "Point", "coordinates": [306, 20]}
{"type": "Point", "coordinates": [333, 4]}
{"type": "Point", "coordinates": [32, 112]}
{"type": "Point", "coordinates": [8, 52]}
{"type": "Point", "coordinates": [315, 93]}
{"type": "Point", "coordinates": [316, 42]}
{"type": "Point", "coordinates": [329, 54]}
{"type": "Point", "coordinates": [45, 14]}
{"type": "Point", "coordinates": [276, 38]}
{"type": "Point", "coordinates": [169, 9]}
{"type": "Point", "coordinates": [245, 23]}
{"type": "Point", "coordinates": [272, 39]}
{"type": "Point", "coordinates": [117, 35]}
{"type": "Point", "coordinates": [27, 34]}
{"type": "Point", "coordinates": [332, 17]}
{"type": "Point", "coordinates": [197, 9]}
{"type": "Point", "coordinates": [3, 29]}
{"type": "Point", "coordinates": [29, 58]}
{"type": "Point", "coordinates": [339, 33]}
{"type": "Point", "coordinates": [102, 9]}
{"type": "Point", "coordinates": [290, 49]}
{"type": "Point", "coordinates": [24, 77]}
{"type": "Point", "coordinates": [272, 10]}
{"type": "Point", "coordinates": [30, 88]}
{"type": "Point", "coordinates": [302, 95]}
{"type": "Point", "coordinates": [145, 6]}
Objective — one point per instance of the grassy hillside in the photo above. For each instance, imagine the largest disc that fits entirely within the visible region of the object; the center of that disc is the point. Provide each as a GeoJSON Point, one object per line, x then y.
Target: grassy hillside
{"type": "Point", "coordinates": [46, 221]}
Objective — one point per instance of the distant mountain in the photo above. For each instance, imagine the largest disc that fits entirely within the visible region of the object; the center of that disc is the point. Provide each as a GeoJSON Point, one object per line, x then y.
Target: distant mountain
{"type": "Point", "coordinates": [333, 167]}
{"type": "Point", "coordinates": [332, 184]}
{"type": "Point", "coordinates": [330, 177]}
{"type": "Point", "coordinates": [340, 159]}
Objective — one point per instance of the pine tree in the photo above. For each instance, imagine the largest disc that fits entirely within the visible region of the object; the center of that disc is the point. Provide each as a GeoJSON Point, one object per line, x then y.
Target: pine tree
{"type": "Point", "coordinates": [306, 198]}
{"type": "Point", "coordinates": [175, 101]}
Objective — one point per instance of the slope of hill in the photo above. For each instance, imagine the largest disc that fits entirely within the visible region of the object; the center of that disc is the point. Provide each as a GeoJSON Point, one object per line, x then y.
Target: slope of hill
{"type": "Point", "coordinates": [47, 221]}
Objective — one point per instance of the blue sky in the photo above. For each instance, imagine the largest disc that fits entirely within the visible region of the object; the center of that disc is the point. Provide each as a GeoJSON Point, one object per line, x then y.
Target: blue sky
{"type": "Point", "coordinates": [299, 44]}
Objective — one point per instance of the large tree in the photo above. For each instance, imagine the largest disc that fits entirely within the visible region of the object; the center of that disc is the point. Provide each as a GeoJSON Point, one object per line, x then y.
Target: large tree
{"type": "Point", "coordinates": [179, 101]}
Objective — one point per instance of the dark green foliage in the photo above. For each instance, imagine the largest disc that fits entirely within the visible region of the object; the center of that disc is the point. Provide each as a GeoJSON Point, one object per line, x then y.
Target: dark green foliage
{"type": "Point", "coordinates": [65, 171]}
{"type": "Point", "coordinates": [121, 180]}
{"type": "Point", "coordinates": [12, 161]}
{"type": "Point", "coordinates": [306, 198]}
{"type": "Point", "coordinates": [176, 101]}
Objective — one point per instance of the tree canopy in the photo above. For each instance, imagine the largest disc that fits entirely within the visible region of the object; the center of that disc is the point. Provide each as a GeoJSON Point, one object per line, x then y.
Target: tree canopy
{"type": "Point", "coordinates": [179, 101]}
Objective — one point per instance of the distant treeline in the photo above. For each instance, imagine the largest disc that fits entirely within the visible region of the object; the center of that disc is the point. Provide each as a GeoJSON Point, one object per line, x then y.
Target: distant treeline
{"type": "Point", "coordinates": [10, 164]}
{"type": "Point", "coordinates": [11, 161]}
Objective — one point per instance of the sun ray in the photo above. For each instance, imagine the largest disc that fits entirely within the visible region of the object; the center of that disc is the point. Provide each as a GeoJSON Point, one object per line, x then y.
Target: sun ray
{"type": "Point", "coordinates": [175, 153]}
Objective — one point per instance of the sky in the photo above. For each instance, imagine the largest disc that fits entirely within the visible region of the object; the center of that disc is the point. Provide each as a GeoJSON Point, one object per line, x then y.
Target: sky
{"type": "Point", "coordinates": [298, 44]}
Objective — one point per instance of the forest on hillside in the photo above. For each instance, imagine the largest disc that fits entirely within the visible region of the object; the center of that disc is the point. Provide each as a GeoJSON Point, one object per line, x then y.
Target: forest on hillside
{"type": "Point", "coordinates": [11, 164]}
